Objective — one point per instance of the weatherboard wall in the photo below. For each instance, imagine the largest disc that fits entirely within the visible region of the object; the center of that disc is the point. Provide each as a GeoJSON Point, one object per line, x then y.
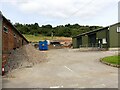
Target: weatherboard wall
{"type": "Point", "coordinates": [74, 41]}
{"type": "Point", "coordinates": [109, 34]}
{"type": "Point", "coordinates": [79, 41]}
{"type": "Point", "coordinates": [103, 34]}
{"type": "Point", "coordinates": [113, 36]}
{"type": "Point", "coordinates": [85, 40]}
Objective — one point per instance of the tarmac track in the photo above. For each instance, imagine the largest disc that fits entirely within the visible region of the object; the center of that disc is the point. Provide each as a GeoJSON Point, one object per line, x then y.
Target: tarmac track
{"type": "Point", "coordinates": [66, 68]}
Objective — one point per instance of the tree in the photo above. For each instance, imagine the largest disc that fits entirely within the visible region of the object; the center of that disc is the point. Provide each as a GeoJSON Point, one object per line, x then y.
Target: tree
{"type": "Point", "coordinates": [46, 30]}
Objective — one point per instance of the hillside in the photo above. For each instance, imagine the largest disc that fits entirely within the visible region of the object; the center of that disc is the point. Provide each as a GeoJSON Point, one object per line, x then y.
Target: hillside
{"type": "Point", "coordinates": [33, 38]}
{"type": "Point", "coordinates": [67, 30]}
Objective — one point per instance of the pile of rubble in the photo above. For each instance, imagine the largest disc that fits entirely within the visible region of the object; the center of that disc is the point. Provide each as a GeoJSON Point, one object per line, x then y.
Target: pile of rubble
{"type": "Point", "coordinates": [26, 56]}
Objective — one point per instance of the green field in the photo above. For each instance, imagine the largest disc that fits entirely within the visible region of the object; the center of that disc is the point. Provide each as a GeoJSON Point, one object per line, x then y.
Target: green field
{"type": "Point", "coordinates": [112, 60]}
{"type": "Point", "coordinates": [33, 38]}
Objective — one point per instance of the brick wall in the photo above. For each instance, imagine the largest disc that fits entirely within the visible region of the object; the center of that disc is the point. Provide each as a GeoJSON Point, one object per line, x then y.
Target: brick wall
{"type": "Point", "coordinates": [11, 39]}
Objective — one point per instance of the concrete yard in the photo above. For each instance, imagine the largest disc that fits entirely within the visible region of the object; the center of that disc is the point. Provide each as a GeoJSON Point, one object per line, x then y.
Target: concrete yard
{"type": "Point", "coordinates": [65, 68]}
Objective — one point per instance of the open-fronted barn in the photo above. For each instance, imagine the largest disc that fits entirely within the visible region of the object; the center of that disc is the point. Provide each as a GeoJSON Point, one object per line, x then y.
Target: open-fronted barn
{"type": "Point", "coordinates": [11, 38]}
{"type": "Point", "coordinates": [106, 37]}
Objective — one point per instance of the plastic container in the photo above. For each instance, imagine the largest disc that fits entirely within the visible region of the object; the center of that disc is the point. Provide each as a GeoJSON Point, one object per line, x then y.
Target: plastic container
{"type": "Point", "coordinates": [43, 45]}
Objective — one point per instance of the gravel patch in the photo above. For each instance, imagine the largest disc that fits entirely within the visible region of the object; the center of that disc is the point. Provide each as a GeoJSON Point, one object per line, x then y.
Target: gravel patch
{"type": "Point", "coordinates": [25, 57]}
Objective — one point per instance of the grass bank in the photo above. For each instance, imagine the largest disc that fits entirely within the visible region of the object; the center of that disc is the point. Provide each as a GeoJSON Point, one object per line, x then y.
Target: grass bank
{"type": "Point", "coordinates": [33, 38]}
{"type": "Point", "coordinates": [112, 60]}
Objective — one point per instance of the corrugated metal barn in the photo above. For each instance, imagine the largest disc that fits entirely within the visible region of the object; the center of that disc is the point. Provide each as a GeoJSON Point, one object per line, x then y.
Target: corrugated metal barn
{"type": "Point", "coordinates": [11, 38]}
{"type": "Point", "coordinates": [106, 37]}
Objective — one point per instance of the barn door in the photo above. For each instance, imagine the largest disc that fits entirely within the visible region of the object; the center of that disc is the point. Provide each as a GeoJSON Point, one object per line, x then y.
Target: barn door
{"type": "Point", "coordinates": [92, 40]}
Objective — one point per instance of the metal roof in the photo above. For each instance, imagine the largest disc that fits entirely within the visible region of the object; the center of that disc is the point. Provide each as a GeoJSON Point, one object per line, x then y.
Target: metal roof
{"type": "Point", "coordinates": [90, 32]}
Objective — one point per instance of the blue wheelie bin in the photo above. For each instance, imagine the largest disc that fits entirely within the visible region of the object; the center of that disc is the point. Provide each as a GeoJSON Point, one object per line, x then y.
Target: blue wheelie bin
{"type": "Point", "coordinates": [43, 45]}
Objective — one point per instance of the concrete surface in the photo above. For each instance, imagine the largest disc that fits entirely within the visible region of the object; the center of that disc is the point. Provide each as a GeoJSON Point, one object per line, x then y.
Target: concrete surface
{"type": "Point", "coordinates": [66, 68]}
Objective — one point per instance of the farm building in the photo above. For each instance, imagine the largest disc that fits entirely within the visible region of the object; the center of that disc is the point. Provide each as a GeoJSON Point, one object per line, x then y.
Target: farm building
{"type": "Point", "coordinates": [11, 38]}
{"type": "Point", "coordinates": [106, 38]}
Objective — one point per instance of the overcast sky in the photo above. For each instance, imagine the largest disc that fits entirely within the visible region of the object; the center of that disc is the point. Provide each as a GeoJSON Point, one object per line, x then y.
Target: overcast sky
{"type": "Point", "coordinates": [61, 12]}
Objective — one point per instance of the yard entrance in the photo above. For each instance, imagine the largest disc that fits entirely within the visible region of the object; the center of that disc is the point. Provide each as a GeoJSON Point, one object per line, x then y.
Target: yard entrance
{"type": "Point", "coordinates": [64, 68]}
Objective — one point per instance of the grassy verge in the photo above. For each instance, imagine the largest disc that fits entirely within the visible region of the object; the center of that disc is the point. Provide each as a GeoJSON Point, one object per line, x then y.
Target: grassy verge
{"type": "Point", "coordinates": [33, 38]}
{"type": "Point", "coordinates": [112, 60]}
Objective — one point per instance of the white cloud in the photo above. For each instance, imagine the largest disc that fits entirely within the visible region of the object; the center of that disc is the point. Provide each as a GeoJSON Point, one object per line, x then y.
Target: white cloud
{"type": "Point", "coordinates": [83, 9]}
{"type": "Point", "coordinates": [64, 8]}
{"type": "Point", "coordinates": [13, 2]}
